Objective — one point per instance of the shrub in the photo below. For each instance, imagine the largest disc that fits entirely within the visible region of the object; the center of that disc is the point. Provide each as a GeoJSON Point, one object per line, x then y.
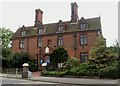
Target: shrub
{"type": "Point", "coordinates": [71, 63]}
{"type": "Point", "coordinates": [32, 66]}
{"type": "Point", "coordinates": [110, 71]}
{"type": "Point", "coordinates": [84, 70]}
{"type": "Point", "coordinates": [54, 73]}
{"type": "Point", "coordinates": [59, 55]}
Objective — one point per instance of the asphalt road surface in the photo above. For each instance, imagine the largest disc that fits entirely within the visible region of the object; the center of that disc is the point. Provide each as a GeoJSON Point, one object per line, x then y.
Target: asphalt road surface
{"type": "Point", "coordinates": [21, 82]}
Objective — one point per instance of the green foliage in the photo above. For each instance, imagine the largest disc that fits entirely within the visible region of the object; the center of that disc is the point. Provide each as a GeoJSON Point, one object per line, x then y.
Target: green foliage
{"type": "Point", "coordinates": [19, 58]}
{"type": "Point", "coordinates": [83, 70]}
{"type": "Point", "coordinates": [6, 35]}
{"type": "Point", "coordinates": [32, 66]}
{"type": "Point", "coordinates": [110, 71]}
{"type": "Point", "coordinates": [54, 73]}
{"type": "Point", "coordinates": [59, 55]}
{"type": "Point", "coordinates": [100, 55]}
{"type": "Point", "coordinates": [103, 63]}
{"type": "Point", "coordinates": [71, 62]}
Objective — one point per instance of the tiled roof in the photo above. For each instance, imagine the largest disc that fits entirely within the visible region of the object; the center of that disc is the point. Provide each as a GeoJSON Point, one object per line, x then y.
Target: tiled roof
{"type": "Point", "coordinates": [93, 24]}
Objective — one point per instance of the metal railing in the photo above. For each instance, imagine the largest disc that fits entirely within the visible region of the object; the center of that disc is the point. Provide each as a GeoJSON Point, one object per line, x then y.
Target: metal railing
{"type": "Point", "coordinates": [12, 72]}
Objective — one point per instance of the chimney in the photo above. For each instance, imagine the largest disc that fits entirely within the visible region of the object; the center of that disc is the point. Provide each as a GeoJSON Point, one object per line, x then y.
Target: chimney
{"type": "Point", "coordinates": [74, 12]}
{"type": "Point", "coordinates": [38, 17]}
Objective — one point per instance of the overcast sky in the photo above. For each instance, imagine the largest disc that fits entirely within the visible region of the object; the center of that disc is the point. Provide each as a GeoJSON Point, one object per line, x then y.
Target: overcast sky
{"type": "Point", "coordinates": [16, 14]}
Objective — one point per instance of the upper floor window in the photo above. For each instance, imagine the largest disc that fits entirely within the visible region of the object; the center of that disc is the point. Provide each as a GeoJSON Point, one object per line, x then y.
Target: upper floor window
{"type": "Point", "coordinates": [22, 43]}
{"type": "Point", "coordinates": [49, 42]}
{"type": "Point", "coordinates": [60, 29]}
{"type": "Point", "coordinates": [82, 26]}
{"type": "Point", "coordinates": [83, 57]}
{"type": "Point", "coordinates": [39, 42]}
{"type": "Point", "coordinates": [83, 39]}
{"type": "Point", "coordinates": [60, 40]}
{"type": "Point", "coordinates": [23, 33]}
{"type": "Point", "coordinates": [40, 31]}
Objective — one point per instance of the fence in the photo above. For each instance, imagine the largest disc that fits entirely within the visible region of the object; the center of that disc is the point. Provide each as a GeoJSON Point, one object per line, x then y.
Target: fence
{"type": "Point", "coordinates": [12, 72]}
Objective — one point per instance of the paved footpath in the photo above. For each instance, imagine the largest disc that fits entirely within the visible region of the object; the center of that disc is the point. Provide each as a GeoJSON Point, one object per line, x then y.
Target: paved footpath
{"type": "Point", "coordinates": [77, 81]}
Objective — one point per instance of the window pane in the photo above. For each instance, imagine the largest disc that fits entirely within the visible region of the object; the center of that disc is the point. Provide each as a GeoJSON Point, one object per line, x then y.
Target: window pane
{"type": "Point", "coordinates": [49, 42]}
{"type": "Point", "coordinates": [60, 41]}
{"type": "Point", "coordinates": [82, 26]}
{"type": "Point", "coordinates": [83, 57]}
{"type": "Point", "coordinates": [40, 31]}
{"type": "Point", "coordinates": [23, 33]}
{"type": "Point", "coordinates": [60, 29]}
{"type": "Point", "coordinates": [21, 43]}
{"type": "Point", "coordinates": [40, 42]}
{"type": "Point", "coordinates": [83, 39]}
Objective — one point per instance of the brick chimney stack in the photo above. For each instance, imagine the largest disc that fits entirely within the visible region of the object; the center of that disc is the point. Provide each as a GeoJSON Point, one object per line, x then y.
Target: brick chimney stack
{"type": "Point", "coordinates": [38, 17]}
{"type": "Point", "coordinates": [74, 12]}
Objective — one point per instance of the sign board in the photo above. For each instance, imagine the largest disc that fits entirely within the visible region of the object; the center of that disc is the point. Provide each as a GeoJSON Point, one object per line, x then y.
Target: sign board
{"type": "Point", "coordinates": [47, 50]}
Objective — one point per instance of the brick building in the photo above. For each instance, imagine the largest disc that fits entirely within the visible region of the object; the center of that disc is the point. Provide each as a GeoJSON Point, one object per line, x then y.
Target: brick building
{"type": "Point", "coordinates": [77, 36]}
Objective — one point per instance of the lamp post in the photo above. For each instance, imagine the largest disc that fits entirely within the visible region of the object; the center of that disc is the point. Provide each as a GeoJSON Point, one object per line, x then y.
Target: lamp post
{"type": "Point", "coordinates": [40, 50]}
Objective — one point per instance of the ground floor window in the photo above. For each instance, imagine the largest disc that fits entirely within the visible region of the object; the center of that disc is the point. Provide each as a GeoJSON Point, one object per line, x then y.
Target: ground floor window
{"type": "Point", "coordinates": [83, 57]}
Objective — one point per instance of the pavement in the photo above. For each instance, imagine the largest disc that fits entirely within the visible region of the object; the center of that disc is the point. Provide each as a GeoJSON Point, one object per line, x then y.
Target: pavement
{"type": "Point", "coordinates": [74, 81]}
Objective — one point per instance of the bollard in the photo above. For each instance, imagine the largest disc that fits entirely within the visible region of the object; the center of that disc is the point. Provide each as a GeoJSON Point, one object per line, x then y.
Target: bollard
{"type": "Point", "coordinates": [25, 70]}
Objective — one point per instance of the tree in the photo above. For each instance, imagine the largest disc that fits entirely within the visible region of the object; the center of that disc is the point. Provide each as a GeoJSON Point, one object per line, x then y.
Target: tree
{"type": "Point", "coordinates": [5, 38]}
{"type": "Point", "coordinates": [116, 49]}
{"type": "Point", "coordinates": [6, 35]}
{"type": "Point", "coordinates": [59, 55]}
{"type": "Point", "coordinates": [18, 59]}
{"type": "Point", "coordinates": [100, 55]}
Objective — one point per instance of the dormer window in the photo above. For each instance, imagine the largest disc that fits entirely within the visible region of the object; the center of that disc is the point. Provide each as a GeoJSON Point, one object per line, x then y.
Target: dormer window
{"type": "Point", "coordinates": [82, 26]}
{"type": "Point", "coordinates": [23, 33]}
{"type": "Point", "coordinates": [40, 31]}
{"type": "Point", "coordinates": [60, 29]}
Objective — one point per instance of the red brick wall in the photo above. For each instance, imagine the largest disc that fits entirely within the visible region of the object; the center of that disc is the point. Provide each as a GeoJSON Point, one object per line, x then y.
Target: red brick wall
{"type": "Point", "coordinates": [68, 44]}
{"type": "Point", "coordinates": [32, 48]}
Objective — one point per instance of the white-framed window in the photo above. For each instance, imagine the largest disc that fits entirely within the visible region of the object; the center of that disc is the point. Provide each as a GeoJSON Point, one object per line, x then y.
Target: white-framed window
{"type": "Point", "coordinates": [22, 43]}
{"type": "Point", "coordinates": [23, 33]}
{"type": "Point", "coordinates": [83, 57]}
{"type": "Point", "coordinates": [60, 28]}
{"type": "Point", "coordinates": [60, 40]}
{"type": "Point", "coordinates": [83, 39]}
{"type": "Point", "coordinates": [40, 31]}
{"type": "Point", "coordinates": [39, 42]}
{"type": "Point", "coordinates": [82, 26]}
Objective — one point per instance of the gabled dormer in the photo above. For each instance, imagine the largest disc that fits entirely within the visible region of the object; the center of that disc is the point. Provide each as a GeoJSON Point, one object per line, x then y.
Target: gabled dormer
{"type": "Point", "coordinates": [23, 31]}
{"type": "Point", "coordinates": [60, 27]}
{"type": "Point", "coordinates": [40, 30]}
{"type": "Point", "coordinates": [83, 24]}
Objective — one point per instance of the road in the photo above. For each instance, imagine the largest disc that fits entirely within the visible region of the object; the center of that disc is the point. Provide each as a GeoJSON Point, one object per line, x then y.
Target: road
{"type": "Point", "coordinates": [21, 82]}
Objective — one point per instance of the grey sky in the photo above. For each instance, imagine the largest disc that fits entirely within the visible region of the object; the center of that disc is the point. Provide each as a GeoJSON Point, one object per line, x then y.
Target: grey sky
{"type": "Point", "coordinates": [15, 14]}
